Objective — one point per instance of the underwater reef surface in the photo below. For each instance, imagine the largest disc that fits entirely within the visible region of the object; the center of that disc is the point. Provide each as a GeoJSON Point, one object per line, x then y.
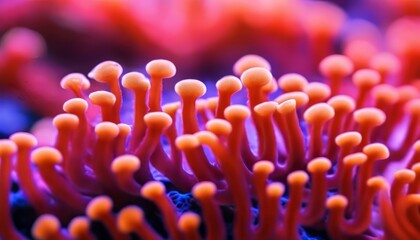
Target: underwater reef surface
{"type": "Point", "coordinates": [315, 135]}
{"type": "Point", "coordinates": [307, 162]}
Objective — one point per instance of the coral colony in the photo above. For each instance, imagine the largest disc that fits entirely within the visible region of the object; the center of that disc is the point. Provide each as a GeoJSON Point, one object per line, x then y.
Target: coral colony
{"type": "Point", "coordinates": [335, 155]}
{"type": "Point", "coordinates": [321, 160]}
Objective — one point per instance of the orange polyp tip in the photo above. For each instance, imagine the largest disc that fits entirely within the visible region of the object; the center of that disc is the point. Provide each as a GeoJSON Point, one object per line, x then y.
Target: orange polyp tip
{"type": "Point", "coordinates": [45, 227]}
{"type": "Point", "coordinates": [106, 130]}
{"type": "Point", "coordinates": [336, 66]}
{"type": "Point", "coordinates": [206, 137]}
{"type": "Point", "coordinates": [385, 63]}
{"type": "Point", "coordinates": [407, 93]}
{"type": "Point", "coordinates": [204, 190]}
{"type": "Point", "coordinates": [190, 88]}
{"type": "Point", "coordinates": [106, 71]}
{"type": "Point", "coordinates": [186, 141]}
{"type": "Point", "coordinates": [238, 112]}
{"type": "Point", "coordinates": [355, 159]}
{"type": "Point", "coordinates": [366, 78]}
{"type": "Point", "coordinates": [99, 207]}
{"type": "Point", "coordinates": [125, 164]}
{"type": "Point", "coordinates": [263, 166]}
{"type": "Point", "coordinates": [413, 107]}
{"type": "Point", "coordinates": [219, 126]}
{"type": "Point", "coordinates": [159, 120]}
{"type": "Point", "coordinates": [46, 156]}
{"type": "Point", "coordinates": [256, 77]}
{"type": "Point", "coordinates": [102, 98]}
{"type": "Point", "coordinates": [7, 147]}
{"type": "Point", "coordinates": [386, 93]}
{"type": "Point", "coordinates": [416, 146]}
{"type": "Point", "coordinates": [171, 108]}
{"type": "Point", "coordinates": [135, 81]}
{"type": "Point", "coordinates": [161, 68]}
{"type": "Point", "coordinates": [265, 109]}
{"type": "Point", "coordinates": [317, 91]}
{"type": "Point", "coordinates": [318, 113]}
{"type": "Point", "coordinates": [297, 178]}
{"type": "Point", "coordinates": [301, 98]}
{"type": "Point", "coordinates": [405, 175]}
{"type": "Point", "coordinates": [377, 151]}
{"type": "Point", "coordinates": [416, 168]}
{"type": "Point", "coordinates": [319, 164]}
{"type": "Point", "coordinates": [79, 226]}
{"type": "Point", "coordinates": [348, 138]}
{"type": "Point", "coordinates": [371, 116]}
{"type": "Point", "coordinates": [337, 201]}
{"type": "Point", "coordinates": [342, 103]}
{"type": "Point", "coordinates": [229, 84]}
{"type": "Point", "coordinates": [124, 129]}
{"type": "Point", "coordinates": [75, 81]}
{"type": "Point", "coordinates": [24, 139]}
{"type": "Point", "coordinates": [292, 82]}
{"type": "Point", "coordinates": [377, 182]}
{"type": "Point", "coordinates": [270, 87]}
{"type": "Point", "coordinates": [65, 121]}
{"type": "Point", "coordinates": [275, 189]}
{"type": "Point", "coordinates": [153, 190]}
{"type": "Point", "coordinates": [129, 219]}
{"type": "Point", "coordinates": [75, 105]}
{"type": "Point", "coordinates": [189, 221]}
{"type": "Point", "coordinates": [249, 61]}
{"type": "Point", "coordinates": [212, 103]}
{"type": "Point", "coordinates": [287, 106]}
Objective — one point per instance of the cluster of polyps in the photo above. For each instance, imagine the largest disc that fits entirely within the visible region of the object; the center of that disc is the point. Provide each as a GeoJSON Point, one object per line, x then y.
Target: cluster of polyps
{"type": "Point", "coordinates": [99, 164]}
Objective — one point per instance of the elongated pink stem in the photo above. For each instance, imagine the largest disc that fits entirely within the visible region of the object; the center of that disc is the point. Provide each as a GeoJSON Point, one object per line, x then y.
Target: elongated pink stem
{"type": "Point", "coordinates": [7, 230]}
{"type": "Point", "coordinates": [158, 70]}
{"type": "Point", "coordinates": [140, 86]}
{"type": "Point", "coordinates": [109, 72]}
{"type": "Point", "coordinates": [237, 184]}
{"type": "Point", "coordinates": [131, 219]}
{"type": "Point", "coordinates": [204, 192]}
{"type": "Point", "coordinates": [314, 210]}
{"type": "Point", "coordinates": [100, 209]}
{"type": "Point", "coordinates": [46, 158]}
{"type": "Point", "coordinates": [155, 191]}
{"type": "Point", "coordinates": [296, 181]}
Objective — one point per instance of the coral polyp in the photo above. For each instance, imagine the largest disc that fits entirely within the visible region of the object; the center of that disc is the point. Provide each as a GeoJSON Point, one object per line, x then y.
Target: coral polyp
{"type": "Point", "coordinates": [295, 158]}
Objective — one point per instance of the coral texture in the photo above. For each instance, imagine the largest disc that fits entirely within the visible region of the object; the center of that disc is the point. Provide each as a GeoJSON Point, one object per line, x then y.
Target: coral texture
{"type": "Point", "coordinates": [312, 159]}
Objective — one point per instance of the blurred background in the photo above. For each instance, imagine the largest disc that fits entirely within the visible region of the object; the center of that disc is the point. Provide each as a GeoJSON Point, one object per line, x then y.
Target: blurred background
{"type": "Point", "coordinates": [43, 40]}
